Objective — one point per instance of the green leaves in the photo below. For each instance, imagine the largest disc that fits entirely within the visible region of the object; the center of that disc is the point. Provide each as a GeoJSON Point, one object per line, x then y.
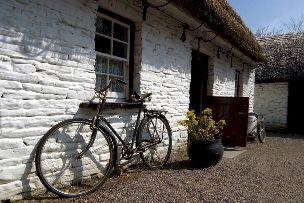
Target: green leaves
{"type": "Point", "coordinates": [203, 127]}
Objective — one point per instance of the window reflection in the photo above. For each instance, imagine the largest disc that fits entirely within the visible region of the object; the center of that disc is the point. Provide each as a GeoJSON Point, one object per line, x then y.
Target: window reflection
{"type": "Point", "coordinates": [103, 26]}
{"type": "Point", "coordinates": [120, 49]}
{"type": "Point", "coordinates": [120, 32]}
{"type": "Point", "coordinates": [116, 67]}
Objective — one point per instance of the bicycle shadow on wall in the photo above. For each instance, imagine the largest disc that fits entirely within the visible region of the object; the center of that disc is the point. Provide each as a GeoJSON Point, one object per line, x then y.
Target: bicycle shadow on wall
{"type": "Point", "coordinates": [124, 119]}
{"type": "Point", "coordinates": [95, 141]}
{"type": "Point", "coordinates": [63, 164]}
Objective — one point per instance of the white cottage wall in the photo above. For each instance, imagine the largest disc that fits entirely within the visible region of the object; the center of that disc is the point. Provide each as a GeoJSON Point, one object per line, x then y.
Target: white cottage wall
{"type": "Point", "coordinates": [47, 62]}
{"type": "Point", "coordinates": [271, 100]}
{"type": "Point", "coordinates": [248, 81]}
{"type": "Point", "coordinates": [46, 69]}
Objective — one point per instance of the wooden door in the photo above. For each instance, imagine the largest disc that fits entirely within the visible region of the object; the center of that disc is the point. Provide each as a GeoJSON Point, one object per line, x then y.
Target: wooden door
{"type": "Point", "coordinates": [235, 111]}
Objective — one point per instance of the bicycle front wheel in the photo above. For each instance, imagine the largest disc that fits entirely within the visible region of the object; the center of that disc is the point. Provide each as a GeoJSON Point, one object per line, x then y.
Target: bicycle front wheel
{"type": "Point", "coordinates": [261, 131]}
{"type": "Point", "coordinates": [155, 140]}
{"type": "Point", "coordinates": [66, 165]}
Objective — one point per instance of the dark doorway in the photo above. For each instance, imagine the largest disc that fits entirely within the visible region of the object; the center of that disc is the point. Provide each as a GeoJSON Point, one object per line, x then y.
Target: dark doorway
{"type": "Point", "coordinates": [199, 78]}
{"type": "Point", "coordinates": [295, 106]}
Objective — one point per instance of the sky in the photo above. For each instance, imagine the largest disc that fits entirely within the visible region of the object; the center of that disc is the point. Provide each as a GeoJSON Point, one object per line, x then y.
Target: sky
{"type": "Point", "coordinates": [268, 13]}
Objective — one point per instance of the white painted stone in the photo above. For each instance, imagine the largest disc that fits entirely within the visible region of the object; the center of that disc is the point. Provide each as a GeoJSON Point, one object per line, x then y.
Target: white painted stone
{"type": "Point", "coordinates": [13, 76]}
{"type": "Point", "coordinates": [31, 112]}
{"type": "Point", "coordinates": [16, 153]}
{"type": "Point", "coordinates": [45, 89]}
{"type": "Point", "coordinates": [10, 84]}
{"type": "Point", "coordinates": [27, 95]}
{"type": "Point", "coordinates": [271, 100]}
{"type": "Point", "coordinates": [24, 68]}
{"type": "Point", "coordinates": [11, 173]}
{"type": "Point", "coordinates": [5, 63]}
{"type": "Point", "coordinates": [11, 144]}
{"type": "Point", "coordinates": [11, 162]}
{"type": "Point", "coordinates": [25, 122]}
{"type": "Point", "coordinates": [24, 133]}
{"type": "Point", "coordinates": [15, 104]}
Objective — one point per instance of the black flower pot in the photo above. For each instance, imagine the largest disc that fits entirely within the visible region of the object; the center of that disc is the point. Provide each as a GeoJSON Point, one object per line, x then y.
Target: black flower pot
{"type": "Point", "coordinates": [205, 153]}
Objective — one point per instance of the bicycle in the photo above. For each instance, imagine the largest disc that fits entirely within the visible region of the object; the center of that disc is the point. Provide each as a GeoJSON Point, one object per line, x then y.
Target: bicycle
{"type": "Point", "coordinates": [76, 156]}
{"type": "Point", "coordinates": [256, 127]}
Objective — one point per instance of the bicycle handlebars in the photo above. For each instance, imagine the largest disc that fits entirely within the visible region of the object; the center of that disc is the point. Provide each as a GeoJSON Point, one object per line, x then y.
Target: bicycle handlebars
{"type": "Point", "coordinates": [134, 97]}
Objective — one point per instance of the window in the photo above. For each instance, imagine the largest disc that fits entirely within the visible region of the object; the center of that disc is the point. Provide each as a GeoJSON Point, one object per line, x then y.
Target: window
{"type": "Point", "coordinates": [113, 48]}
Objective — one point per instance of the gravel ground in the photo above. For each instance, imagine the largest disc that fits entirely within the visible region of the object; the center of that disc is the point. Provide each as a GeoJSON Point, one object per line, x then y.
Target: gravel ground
{"type": "Point", "coordinates": [268, 172]}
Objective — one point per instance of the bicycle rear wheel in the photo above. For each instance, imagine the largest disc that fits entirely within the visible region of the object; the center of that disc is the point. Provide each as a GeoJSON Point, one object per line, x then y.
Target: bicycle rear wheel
{"type": "Point", "coordinates": [155, 139]}
{"type": "Point", "coordinates": [261, 131]}
{"type": "Point", "coordinates": [59, 166]}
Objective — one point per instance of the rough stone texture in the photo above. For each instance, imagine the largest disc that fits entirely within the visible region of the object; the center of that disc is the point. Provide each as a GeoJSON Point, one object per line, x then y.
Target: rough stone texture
{"type": "Point", "coordinates": [47, 62]}
{"type": "Point", "coordinates": [271, 100]}
{"type": "Point", "coordinates": [268, 172]}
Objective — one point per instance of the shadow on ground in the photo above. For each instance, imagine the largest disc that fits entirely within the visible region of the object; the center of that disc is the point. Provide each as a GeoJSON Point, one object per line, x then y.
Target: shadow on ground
{"type": "Point", "coordinates": [284, 135]}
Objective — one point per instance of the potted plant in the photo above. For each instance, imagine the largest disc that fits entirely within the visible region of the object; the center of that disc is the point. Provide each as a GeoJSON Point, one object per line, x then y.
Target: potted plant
{"type": "Point", "coordinates": [204, 138]}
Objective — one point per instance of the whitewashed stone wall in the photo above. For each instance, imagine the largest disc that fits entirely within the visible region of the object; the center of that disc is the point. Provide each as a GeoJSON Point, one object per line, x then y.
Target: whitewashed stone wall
{"type": "Point", "coordinates": [224, 82]}
{"type": "Point", "coordinates": [222, 79]}
{"type": "Point", "coordinates": [46, 69]}
{"type": "Point", "coordinates": [271, 100]}
{"type": "Point", "coordinates": [248, 84]}
{"type": "Point", "coordinates": [166, 72]}
{"type": "Point", "coordinates": [47, 62]}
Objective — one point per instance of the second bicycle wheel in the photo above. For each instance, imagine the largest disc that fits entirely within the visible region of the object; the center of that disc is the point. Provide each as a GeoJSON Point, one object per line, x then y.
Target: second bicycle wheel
{"type": "Point", "coordinates": [155, 139]}
{"type": "Point", "coordinates": [59, 166]}
{"type": "Point", "coordinates": [261, 131]}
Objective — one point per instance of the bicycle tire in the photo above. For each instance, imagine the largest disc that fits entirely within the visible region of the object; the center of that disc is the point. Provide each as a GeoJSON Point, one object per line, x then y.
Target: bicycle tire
{"type": "Point", "coordinates": [158, 154]}
{"type": "Point", "coordinates": [58, 168]}
{"type": "Point", "coordinates": [261, 131]}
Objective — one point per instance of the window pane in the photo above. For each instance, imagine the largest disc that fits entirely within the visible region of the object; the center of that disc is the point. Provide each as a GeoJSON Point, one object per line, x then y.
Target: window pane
{"type": "Point", "coordinates": [102, 44]}
{"type": "Point", "coordinates": [116, 67]}
{"type": "Point", "coordinates": [120, 32]}
{"type": "Point", "coordinates": [120, 49]}
{"type": "Point", "coordinates": [117, 86]}
{"type": "Point", "coordinates": [103, 26]}
{"type": "Point", "coordinates": [101, 64]}
{"type": "Point", "coordinates": [101, 81]}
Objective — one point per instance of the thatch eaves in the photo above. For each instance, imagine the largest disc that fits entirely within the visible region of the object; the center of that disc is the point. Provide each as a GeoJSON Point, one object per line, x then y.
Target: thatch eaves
{"type": "Point", "coordinates": [220, 17]}
{"type": "Point", "coordinates": [285, 55]}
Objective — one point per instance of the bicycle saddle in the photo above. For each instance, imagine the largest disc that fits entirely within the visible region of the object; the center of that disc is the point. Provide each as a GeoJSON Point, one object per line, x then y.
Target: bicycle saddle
{"type": "Point", "coordinates": [139, 97]}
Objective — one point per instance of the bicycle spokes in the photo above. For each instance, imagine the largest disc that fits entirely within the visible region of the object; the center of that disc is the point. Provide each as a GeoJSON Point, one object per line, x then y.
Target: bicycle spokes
{"type": "Point", "coordinates": [155, 140]}
{"type": "Point", "coordinates": [67, 166]}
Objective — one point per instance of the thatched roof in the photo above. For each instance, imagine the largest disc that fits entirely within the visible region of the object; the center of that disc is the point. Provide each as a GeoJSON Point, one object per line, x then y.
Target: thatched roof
{"type": "Point", "coordinates": [219, 16]}
{"type": "Point", "coordinates": [285, 55]}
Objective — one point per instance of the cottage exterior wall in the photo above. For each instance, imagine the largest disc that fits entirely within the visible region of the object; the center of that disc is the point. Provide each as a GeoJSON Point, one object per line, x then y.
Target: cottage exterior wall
{"type": "Point", "coordinates": [248, 85]}
{"type": "Point", "coordinates": [224, 82]}
{"type": "Point", "coordinates": [46, 69]}
{"type": "Point", "coordinates": [47, 62]}
{"type": "Point", "coordinates": [271, 100]}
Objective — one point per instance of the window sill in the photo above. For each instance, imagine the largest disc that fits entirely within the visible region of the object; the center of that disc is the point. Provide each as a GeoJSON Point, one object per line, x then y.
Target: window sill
{"type": "Point", "coordinates": [110, 105]}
